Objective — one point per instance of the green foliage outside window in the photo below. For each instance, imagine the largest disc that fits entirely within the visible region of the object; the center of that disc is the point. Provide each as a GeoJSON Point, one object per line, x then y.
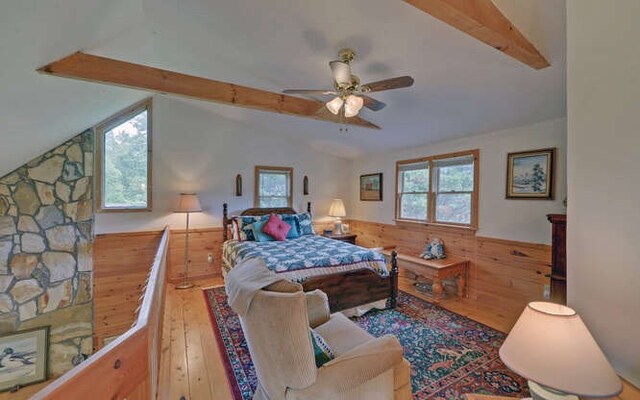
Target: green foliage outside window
{"type": "Point", "coordinates": [125, 164]}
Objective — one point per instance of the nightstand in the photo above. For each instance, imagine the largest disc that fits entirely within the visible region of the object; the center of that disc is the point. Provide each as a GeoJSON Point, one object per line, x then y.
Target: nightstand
{"type": "Point", "coordinates": [346, 237]}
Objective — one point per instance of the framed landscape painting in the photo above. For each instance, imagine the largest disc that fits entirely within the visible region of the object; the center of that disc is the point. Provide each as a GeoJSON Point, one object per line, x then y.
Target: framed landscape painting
{"type": "Point", "coordinates": [23, 358]}
{"type": "Point", "coordinates": [530, 174]}
{"type": "Point", "coordinates": [371, 187]}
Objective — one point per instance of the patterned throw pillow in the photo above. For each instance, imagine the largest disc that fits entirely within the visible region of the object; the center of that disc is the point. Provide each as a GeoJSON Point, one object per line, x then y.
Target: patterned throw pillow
{"type": "Point", "coordinates": [434, 250]}
{"type": "Point", "coordinates": [292, 220]}
{"type": "Point", "coordinates": [321, 349]}
{"type": "Point", "coordinates": [245, 227]}
{"type": "Point", "coordinates": [306, 225]}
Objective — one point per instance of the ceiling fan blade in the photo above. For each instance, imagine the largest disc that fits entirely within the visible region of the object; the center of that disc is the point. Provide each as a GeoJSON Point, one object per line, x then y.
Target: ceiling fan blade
{"type": "Point", "coordinates": [372, 104]}
{"type": "Point", "coordinates": [388, 84]}
{"type": "Point", "coordinates": [341, 72]}
{"type": "Point", "coordinates": [309, 91]}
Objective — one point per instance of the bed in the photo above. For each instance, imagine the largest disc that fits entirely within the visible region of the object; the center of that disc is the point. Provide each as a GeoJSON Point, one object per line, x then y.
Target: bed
{"type": "Point", "coordinates": [352, 276]}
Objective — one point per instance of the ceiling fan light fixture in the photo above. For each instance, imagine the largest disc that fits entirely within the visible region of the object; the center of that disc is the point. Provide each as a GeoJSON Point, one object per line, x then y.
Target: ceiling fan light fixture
{"type": "Point", "coordinates": [335, 105]}
{"type": "Point", "coordinates": [353, 105]}
{"type": "Point", "coordinates": [341, 72]}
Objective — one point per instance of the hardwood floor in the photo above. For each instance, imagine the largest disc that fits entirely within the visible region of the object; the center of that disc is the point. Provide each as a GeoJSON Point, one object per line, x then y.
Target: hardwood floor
{"type": "Point", "coordinates": [191, 364]}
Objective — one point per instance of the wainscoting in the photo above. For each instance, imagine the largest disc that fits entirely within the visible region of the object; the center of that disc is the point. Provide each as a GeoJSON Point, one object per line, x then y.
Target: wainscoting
{"type": "Point", "coordinates": [504, 275]}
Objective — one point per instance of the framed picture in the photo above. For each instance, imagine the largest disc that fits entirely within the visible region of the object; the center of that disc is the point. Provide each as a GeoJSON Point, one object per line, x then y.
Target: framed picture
{"type": "Point", "coordinates": [371, 187]}
{"type": "Point", "coordinates": [530, 174]}
{"type": "Point", "coordinates": [23, 358]}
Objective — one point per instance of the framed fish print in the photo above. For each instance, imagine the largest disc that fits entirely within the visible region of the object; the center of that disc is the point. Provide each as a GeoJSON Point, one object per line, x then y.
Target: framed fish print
{"type": "Point", "coordinates": [371, 187]}
{"type": "Point", "coordinates": [530, 174]}
{"type": "Point", "coordinates": [23, 358]}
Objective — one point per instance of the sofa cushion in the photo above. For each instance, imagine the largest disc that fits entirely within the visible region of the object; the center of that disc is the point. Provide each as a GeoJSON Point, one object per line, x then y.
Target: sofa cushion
{"type": "Point", "coordinates": [341, 334]}
{"type": "Point", "coordinates": [321, 349]}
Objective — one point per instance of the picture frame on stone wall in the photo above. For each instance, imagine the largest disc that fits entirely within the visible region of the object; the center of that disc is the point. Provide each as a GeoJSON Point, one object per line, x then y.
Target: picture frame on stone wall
{"type": "Point", "coordinates": [24, 358]}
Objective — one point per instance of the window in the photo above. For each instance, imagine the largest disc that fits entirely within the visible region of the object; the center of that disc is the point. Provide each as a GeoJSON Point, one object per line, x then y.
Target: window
{"type": "Point", "coordinates": [273, 187]}
{"type": "Point", "coordinates": [438, 190]}
{"type": "Point", "coordinates": [124, 160]}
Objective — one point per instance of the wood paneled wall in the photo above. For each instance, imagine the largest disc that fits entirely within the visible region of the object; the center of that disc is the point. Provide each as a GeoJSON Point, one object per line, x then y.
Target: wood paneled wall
{"type": "Point", "coordinates": [504, 275]}
{"type": "Point", "coordinates": [121, 266]}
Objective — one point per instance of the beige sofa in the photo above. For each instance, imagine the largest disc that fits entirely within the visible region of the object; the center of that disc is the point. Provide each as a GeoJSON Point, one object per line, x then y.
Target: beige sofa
{"type": "Point", "coordinates": [277, 331]}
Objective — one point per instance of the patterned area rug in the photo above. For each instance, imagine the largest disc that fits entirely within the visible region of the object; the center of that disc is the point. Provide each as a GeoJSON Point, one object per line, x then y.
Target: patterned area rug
{"type": "Point", "coordinates": [450, 355]}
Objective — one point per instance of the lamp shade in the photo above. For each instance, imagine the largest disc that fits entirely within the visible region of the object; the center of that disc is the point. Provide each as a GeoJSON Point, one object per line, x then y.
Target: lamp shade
{"type": "Point", "coordinates": [352, 106]}
{"type": "Point", "coordinates": [337, 209]}
{"type": "Point", "coordinates": [551, 345]}
{"type": "Point", "coordinates": [188, 203]}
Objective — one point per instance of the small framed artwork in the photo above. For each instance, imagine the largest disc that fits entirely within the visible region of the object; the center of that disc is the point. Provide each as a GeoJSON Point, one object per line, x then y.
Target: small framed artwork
{"type": "Point", "coordinates": [371, 187]}
{"type": "Point", "coordinates": [305, 185]}
{"type": "Point", "coordinates": [23, 358]}
{"type": "Point", "coordinates": [530, 174]}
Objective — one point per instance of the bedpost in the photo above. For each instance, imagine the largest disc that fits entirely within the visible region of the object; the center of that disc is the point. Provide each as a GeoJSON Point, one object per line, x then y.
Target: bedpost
{"type": "Point", "coordinates": [393, 278]}
{"type": "Point", "coordinates": [225, 222]}
{"type": "Point", "coordinates": [309, 207]}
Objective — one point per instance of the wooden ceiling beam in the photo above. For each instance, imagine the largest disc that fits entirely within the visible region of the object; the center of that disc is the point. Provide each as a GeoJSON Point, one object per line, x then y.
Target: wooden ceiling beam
{"type": "Point", "coordinates": [93, 68]}
{"type": "Point", "coordinates": [485, 22]}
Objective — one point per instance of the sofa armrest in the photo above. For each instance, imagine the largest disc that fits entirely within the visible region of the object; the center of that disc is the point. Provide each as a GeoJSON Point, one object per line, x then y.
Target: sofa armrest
{"type": "Point", "coordinates": [317, 307]}
{"type": "Point", "coordinates": [354, 368]}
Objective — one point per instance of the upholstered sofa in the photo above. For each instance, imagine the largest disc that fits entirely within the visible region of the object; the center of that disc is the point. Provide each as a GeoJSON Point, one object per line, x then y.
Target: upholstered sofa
{"type": "Point", "coordinates": [277, 331]}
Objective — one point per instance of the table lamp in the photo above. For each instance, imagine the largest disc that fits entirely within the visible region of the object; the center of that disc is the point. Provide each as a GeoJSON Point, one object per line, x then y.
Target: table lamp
{"type": "Point", "coordinates": [337, 210]}
{"type": "Point", "coordinates": [188, 204]}
{"type": "Point", "coordinates": [552, 348]}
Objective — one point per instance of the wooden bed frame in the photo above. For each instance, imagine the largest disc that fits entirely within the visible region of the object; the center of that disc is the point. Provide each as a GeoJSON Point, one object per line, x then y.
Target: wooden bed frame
{"type": "Point", "coordinates": [344, 289]}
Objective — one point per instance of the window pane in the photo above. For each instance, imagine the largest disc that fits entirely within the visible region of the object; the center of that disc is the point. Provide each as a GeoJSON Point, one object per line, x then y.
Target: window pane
{"type": "Point", "coordinates": [274, 202]}
{"type": "Point", "coordinates": [274, 184]}
{"type": "Point", "coordinates": [456, 178]}
{"type": "Point", "coordinates": [416, 180]}
{"type": "Point", "coordinates": [413, 206]}
{"type": "Point", "coordinates": [125, 164]}
{"type": "Point", "coordinates": [454, 208]}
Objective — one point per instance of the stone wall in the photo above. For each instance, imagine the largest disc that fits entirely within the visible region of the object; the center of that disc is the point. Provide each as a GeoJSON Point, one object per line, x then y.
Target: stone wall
{"type": "Point", "coordinates": [46, 244]}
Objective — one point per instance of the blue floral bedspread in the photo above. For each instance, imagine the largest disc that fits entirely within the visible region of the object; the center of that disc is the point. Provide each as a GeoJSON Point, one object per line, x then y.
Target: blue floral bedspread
{"type": "Point", "coordinates": [306, 256]}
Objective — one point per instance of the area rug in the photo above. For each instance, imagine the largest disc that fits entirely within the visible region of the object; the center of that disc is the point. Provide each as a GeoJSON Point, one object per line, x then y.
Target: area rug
{"type": "Point", "coordinates": [450, 355]}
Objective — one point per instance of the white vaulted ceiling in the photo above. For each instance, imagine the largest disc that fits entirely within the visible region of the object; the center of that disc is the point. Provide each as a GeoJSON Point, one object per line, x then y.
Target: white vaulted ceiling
{"type": "Point", "coordinates": [462, 86]}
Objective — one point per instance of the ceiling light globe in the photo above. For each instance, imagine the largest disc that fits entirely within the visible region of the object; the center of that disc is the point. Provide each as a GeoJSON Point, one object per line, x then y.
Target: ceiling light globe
{"type": "Point", "coordinates": [335, 105]}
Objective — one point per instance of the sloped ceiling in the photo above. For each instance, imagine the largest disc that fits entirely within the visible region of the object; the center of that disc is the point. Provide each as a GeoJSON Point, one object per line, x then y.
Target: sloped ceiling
{"type": "Point", "coordinates": [462, 87]}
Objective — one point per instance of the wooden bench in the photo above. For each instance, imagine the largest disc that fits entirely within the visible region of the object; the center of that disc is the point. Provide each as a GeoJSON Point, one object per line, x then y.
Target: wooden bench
{"type": "Point", "coordinates": [436, 271]}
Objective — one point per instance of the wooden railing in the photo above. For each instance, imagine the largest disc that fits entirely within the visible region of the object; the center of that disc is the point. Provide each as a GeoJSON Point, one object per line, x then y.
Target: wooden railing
{"type": "Point", "coordinates": [126, 368]}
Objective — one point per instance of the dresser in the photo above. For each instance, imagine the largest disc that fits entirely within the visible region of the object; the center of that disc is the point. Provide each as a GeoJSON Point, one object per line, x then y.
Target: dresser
{"type": "Point", "coordinates": [558, 258]}
{"type": "Point", "coordinates": [345, 237]}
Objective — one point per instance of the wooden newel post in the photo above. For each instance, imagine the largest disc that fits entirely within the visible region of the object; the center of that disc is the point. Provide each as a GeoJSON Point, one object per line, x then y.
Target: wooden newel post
{"type": "Point", "coordinates": [393, 275]}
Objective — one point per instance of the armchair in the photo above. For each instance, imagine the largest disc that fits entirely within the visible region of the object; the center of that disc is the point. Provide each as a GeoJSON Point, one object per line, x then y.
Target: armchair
{"type": "Point", "coordinates": [277, 332]}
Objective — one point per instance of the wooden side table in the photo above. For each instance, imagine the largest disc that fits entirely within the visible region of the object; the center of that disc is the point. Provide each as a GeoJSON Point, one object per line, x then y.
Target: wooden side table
{"type": "Point", "coordinates": [346, 237]}
{"type": "Point", "coordinates": [437, 271]}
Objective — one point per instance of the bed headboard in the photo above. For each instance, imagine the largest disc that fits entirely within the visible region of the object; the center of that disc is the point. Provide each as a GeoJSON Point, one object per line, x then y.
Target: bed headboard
{"type": "Point", "coordinates": [254, 211]}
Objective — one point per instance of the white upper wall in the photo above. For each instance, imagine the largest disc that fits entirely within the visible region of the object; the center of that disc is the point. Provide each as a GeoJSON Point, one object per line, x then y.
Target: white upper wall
{"type": "Point", "coordinates": [195, 150]}
{"type": "Point", "coordinates": [521, 220]}
{"type": "Point", "coordinates": [603, 251]}
{"type": "Point", "coordinates": [462, 86]}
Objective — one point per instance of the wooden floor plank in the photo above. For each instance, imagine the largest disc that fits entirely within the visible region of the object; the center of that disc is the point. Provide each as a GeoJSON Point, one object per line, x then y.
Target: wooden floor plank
{"type": "Point", "coordinates": [199, 385]}
{"type": "Point", "coordinates": [179, 382]}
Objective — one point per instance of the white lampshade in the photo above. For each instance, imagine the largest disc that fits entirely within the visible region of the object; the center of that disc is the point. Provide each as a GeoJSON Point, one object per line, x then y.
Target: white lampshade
{"type": "Point", "coordinates": [341, 72]}
{"type": "Point", "coordinates": [188, 203]}
{"type": "Point", "coordinates": [550, 345]}
{"type": "Point", "coordinates": [335, 105]}
{"type": "Point", "coordinates": [337, 209]}
{"type": "Point", "coordinates": [353, 106]}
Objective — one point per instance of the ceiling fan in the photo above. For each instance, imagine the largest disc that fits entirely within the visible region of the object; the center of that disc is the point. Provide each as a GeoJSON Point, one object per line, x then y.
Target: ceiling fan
{"type": "Point", "coordinates": [349, 96]}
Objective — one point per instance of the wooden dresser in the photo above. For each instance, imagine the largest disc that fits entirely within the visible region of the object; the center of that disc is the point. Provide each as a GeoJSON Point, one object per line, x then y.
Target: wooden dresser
{"type": "Point", "coordinates": [558, 258]}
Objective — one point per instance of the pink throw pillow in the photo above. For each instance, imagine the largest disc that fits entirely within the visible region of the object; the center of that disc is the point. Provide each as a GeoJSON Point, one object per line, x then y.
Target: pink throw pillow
{"type": "Point", "coordinates": [276, 228]}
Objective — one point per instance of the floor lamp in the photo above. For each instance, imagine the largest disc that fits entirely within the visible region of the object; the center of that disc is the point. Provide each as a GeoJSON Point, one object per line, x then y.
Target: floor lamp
{"type": "Point", "coordinates": [189, 203]}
